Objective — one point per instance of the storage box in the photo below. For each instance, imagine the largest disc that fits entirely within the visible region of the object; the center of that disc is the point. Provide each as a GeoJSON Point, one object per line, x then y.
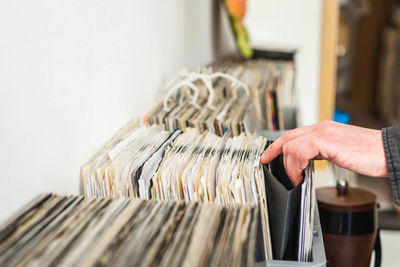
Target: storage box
{"type": "Point", "coordinates": [318, 250]}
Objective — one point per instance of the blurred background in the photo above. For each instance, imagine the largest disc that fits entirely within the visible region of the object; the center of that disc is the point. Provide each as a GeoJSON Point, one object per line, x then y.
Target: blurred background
{"type": "Point", "coordinates": [73, 72]}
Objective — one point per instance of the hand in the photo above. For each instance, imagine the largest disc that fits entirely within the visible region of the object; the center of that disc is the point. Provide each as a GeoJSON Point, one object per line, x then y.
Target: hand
{"type": "Point", "coordinates": [350, 147]}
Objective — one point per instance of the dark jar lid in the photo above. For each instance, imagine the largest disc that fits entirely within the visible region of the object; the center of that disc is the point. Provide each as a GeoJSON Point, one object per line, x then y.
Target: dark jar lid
{"type": "Point", "coordinates": [354, 199]}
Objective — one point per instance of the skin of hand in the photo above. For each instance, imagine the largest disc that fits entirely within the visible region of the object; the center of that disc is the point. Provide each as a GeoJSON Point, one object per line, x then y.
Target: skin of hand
{"type": "Point", "coordinates": [354, 148]}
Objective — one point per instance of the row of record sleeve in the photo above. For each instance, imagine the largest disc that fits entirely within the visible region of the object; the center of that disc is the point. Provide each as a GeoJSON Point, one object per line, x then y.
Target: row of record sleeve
{"type": "Point", "coordinates": [152, 163]}
{"type": "Point", "coordinates": [263, 100]}
{"type": "Point", "coordinates": [57, 230]}
{"type": "Point", "coordinates": [272, 88]}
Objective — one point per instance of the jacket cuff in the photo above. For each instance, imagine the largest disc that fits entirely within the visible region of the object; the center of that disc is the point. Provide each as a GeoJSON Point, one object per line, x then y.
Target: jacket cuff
{"type": "Point", "coordinates": [391, 144]}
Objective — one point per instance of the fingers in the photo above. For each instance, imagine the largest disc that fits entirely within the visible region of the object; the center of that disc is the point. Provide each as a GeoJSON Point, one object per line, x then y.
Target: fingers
{"type": "Point", "coordinates": [275, 149]}
{"type": "Point", "coordinates": [292, 169]}
{"type": "Point", "coordinates": [297, 154]}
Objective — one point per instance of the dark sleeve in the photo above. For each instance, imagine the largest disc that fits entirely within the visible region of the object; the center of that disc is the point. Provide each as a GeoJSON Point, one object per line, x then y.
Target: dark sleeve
{"type": "Point", "coordinates": [391, 143]}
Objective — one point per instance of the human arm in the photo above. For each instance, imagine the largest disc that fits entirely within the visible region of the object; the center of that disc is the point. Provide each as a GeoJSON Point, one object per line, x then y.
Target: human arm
{"type": "Point", "coordinates": [355, 148]}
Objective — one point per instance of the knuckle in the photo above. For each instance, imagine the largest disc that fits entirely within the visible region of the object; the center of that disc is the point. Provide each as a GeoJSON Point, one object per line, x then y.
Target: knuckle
{"type": "Point", "coordinates": [327, 127]}
{"type": "Point", "coordinates": [289, 149]}
{"type": "Point", "coordinates": [325, 122]}
{"type": "Point", "coordinates": [287, 136]}
{"type": "Point", "coordinates": [323, 130]}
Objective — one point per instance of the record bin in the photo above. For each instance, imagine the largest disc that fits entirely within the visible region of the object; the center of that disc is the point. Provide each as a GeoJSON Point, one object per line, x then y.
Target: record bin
{"type": "Point", "coordinates": [318, 250]}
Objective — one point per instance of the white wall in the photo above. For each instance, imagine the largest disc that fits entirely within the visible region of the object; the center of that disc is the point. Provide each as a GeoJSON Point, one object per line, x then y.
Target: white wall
{"type": "Point", "coordinates": [73, 72]}
{"type": "Point", "coordinates": [293, 24]}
